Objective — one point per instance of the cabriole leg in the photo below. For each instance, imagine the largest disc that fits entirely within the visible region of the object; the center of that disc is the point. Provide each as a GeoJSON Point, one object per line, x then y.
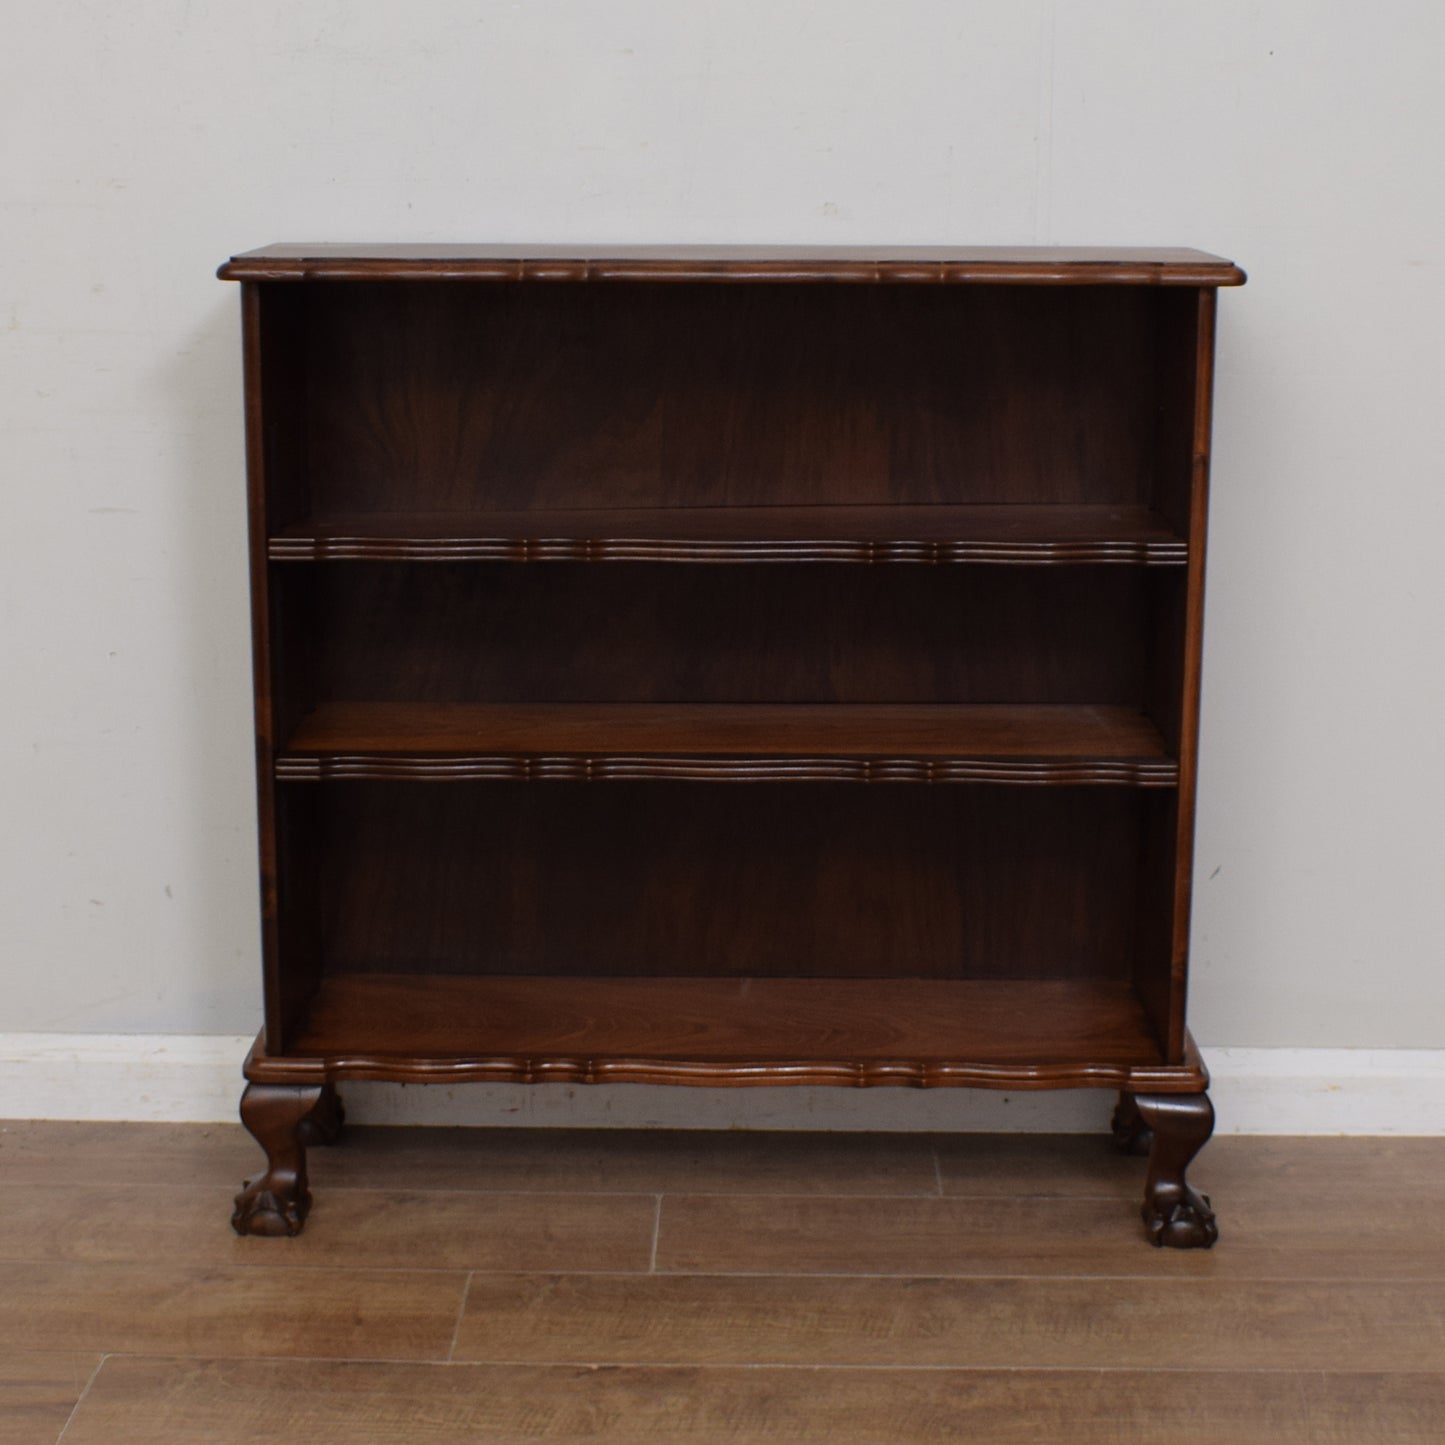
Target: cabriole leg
{"type": "Point", "coordinates": [1131, 1134]}
{"type": "Point", "coordinates": [1174, 1213]}
{"type": "Point", "coordinates": [283, 1119]}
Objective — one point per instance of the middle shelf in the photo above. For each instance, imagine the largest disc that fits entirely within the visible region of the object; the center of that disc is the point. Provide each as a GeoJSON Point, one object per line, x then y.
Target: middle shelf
{"type": "Point", "coordinates": [979, 533]}
{"type": "Point", "coordinates": [1058, 743]}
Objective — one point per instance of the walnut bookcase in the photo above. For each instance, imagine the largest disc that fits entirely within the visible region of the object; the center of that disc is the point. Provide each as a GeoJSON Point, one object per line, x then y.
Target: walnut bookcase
{"type": "Point", "coordinates": [727, 666]}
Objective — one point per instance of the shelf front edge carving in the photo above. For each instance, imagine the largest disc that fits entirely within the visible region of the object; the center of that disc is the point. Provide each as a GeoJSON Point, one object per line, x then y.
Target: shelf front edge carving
{"type": "Point", "coordinates": [583, 768]}
{"type": "Point", "coordinates": [1185, 1078]}
{"type": "Point", "coordinates": [1208, 271]}
{"type": "Point", "coordinates": [1157, 553]}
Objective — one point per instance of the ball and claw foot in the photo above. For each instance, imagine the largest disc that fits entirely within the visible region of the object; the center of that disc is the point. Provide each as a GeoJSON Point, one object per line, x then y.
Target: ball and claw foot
{"type": "Point", "coordinates": [284, 1119]}
{"type": "Point", "coordinates": [270, 1212]}
{"type": "Point", "coordinates": [1187, 1224]}
{"type": "Point", "coordinates": [1173, 1128]}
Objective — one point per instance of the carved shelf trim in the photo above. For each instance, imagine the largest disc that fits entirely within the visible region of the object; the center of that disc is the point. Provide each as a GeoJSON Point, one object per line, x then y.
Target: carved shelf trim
{"type": "Point", "coordinates": [1027, 265]}
{"type": "Point", "coordinates": [921, 1033]}
{"type": "Point", "coordinates": [339, 548]}
{"type": "Point", "coordinates": [598, 768]}
{"type": "Point", "coordinates": [1061, 744]}
{"type": "Point", "coordinates": [1187, 1078]}
{"type": "Point", "coordinates": [928, 534]}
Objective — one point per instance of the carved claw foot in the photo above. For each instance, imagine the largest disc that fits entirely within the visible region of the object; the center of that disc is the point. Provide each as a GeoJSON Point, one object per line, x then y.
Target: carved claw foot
{"type": "Point", "coordinates": [263, 1210]}
{"type": "Point", "coordinates": [1189, 1223]}
{"type": "Point", "coordinates": [1131, 1134]}
{"type": "Point", "coordinates": [1175, 1214]}
{"type": "Point", "coordinates": [283, 1119]}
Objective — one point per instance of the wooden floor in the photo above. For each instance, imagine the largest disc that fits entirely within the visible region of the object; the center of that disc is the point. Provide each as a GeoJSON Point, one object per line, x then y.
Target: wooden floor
{"type": "Point", "coordinates": [666, 1287]}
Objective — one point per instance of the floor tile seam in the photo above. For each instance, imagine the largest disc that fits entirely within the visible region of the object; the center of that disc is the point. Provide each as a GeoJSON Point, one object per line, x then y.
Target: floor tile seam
{"type": "Point", "coordinates": [1299, 1371]}
{"type": "Point", "coordinates": [235, 1357]}
{"type": "Point", "coordinates": [80, 1399]}
{"type": "Point", "coordinates": [1273, 1195]}
{"type": "Point", "coordinates": [665, 1271]}
{"type": "Point", "coordinates": [671, 1272]}
{"type": "Point", "coordinates": [461, 1315]}
{"type": "Point", "coordinates": [213, 1267]}
{"type": "Point", "coordinates": [322, 1187]}
{"type": "Point", "coordinates": [502, 1362]}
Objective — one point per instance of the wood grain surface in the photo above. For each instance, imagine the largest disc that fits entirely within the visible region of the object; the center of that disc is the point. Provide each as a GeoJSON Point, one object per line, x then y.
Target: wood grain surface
{"type": "Point", "coordinates": [998, 534]}
{"type": "Point", "coordinates": [235, 1402]}
{"type": "Point", "coordinates": [402, 1315]}
{"type": "Point", "coordinates": [38, 1392]}
{"type": "Point", "coordinates": [431, 437]}
{"type": "Point", "coordinates": [1077, 1323]}
{"type": "Point", "coordinates": [691, 881]}
{"type": "Point", "coordinates": [920, 1032]}
{"type": "Point", "coordinates": [158, 1307]}
{"type": "Point", "coordinates": [1073, 742]}
{"type": "Point", "coordinates": [1079, 265]}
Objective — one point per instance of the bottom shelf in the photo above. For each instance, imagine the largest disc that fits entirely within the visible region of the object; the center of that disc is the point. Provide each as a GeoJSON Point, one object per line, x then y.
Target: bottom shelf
{"type": "Point", "coordinates": [979, 1033]}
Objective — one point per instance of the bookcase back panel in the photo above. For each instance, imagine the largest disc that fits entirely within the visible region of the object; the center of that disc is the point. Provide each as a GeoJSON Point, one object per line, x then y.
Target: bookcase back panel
{"type": "Point", "coordinates": [462, 397]}
{"type": "Point", "coordinates": [683, 879]}
{"type": "Point", "coordinates": [563, 632]}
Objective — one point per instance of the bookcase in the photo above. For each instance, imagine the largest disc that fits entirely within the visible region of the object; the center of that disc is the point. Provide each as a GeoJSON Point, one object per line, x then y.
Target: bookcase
{"type": "Point", "coordinates": [727, 666]}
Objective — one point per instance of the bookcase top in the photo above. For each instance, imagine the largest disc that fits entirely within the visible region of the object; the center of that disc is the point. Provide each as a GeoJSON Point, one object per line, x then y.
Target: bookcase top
{"type": "Point", "coordinates": [1008, 265]}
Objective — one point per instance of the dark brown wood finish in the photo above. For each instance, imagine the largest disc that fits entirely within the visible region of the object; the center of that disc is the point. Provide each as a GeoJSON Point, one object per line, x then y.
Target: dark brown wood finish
{"type": "Point", "coordinates": [660, 879]}
{"type": "Point", "coordinates": [487, 398]}
{"type": "Point", "coordinates": [259, 509]}
{"type": "Point", "coordinates": [918, 1032]}
{"type": "Point", "coordinates": [1193, 647]}
{"type": "Point", "coordinates": [595, 742]}
{"type": "Point", "coordinates": [284, 1119]}
{"type": "Point", "coordinates": [1011, 265]}
{"type": "Point", "coordinates": [1174, 1212]}
{"type": "Point", "coordinates": [480, 633]}
{"type": "Point", "coordinates": [940, 533]}
{"type": "Point", "coordinates": [1028, 428]}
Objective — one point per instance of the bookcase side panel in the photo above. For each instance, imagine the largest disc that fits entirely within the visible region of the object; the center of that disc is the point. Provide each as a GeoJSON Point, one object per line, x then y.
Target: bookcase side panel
{"type": "Point", "coordinates": [1185, 369]}
{"type": "Point", "coordinates": [1193, 649]}
{"type": "Point", "coordinates": [275, 351]}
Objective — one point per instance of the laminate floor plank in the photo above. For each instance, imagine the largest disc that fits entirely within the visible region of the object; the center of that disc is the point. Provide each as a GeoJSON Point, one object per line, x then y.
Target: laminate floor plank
{"type": "Point", "coordinates": [1081, 1165]}
{"type": "Point", "coordinates": [54, 1152]}
{"type": "Point", "coordinates": [828, 1287]}
{"type": "Point", "coordinates": [1061, 1166]}
{"type": "Point", "coordinates": [706, 1161]}
{"type": "Point", "coordinates": [227, 1402]}
{"type": "Point", "coordinates": [630, 1161]}
{"type": "Point", "coordinates": [1349, 1237]}
{"type": "Point", "coordinates": [714, 1161]}
{"type": "Point", "coordinates": [1043, 1323]}
{"type": "Point", "coordinates": [347, 1229]}
{"type": "Point", "coordinates": [161, 1308]}
{"type": "Point", "coordinates": [1376, 1409]}
{"type": "Point", "coordinates": [38, 1390]}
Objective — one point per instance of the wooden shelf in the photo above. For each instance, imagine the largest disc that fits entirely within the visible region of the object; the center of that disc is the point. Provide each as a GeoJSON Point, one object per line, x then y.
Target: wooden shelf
{"type": "Point", "coordinates": [593, 742]}
{"type": "Point", "coordinates": [1039, 415]}
{"type": "Point", "coordinates": [920, 534]}
{"type": "Point", "coordinates": [1007, 265]}
{"type": "Point", "coordinates": [1016, 1033]}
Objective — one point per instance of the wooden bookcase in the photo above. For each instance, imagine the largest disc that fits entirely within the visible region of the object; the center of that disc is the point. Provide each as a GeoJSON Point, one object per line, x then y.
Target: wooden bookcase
{"type": "Point", "coordinates": [727, 666]}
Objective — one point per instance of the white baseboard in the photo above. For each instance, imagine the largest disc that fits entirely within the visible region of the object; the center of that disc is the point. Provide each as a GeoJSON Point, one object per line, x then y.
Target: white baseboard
{"type": "Point", "coordinates": [197, 1079]}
